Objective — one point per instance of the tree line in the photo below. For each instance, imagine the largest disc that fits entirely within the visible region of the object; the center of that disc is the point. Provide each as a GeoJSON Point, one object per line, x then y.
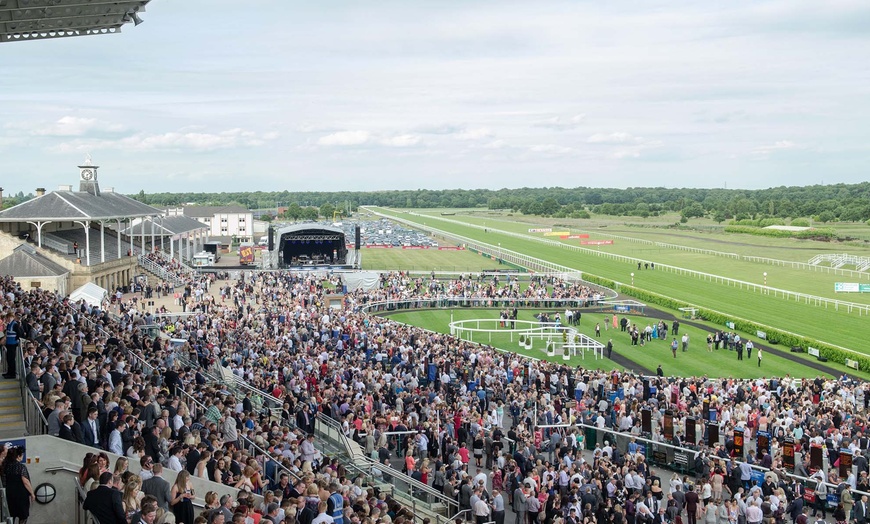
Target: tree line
{"type": "Point", "coordinates": [823, 203]}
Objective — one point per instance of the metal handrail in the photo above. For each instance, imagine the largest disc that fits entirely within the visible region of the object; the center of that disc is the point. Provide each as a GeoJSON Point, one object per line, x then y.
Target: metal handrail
{"type": "Point", "coordinates": [34, 419]}
{"type": "Point", "coordinates": [254, 449]}
{"type": "Point", "coordinates": [450, 301]}
{"type": "Point", "coordinates": [360, 459]}
{"type": "Point", "coordinates": [619, 435]}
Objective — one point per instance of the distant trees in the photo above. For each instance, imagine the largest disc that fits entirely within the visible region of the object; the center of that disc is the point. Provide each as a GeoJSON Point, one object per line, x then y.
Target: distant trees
{"type": "Point", "coordinates": [842, 202]}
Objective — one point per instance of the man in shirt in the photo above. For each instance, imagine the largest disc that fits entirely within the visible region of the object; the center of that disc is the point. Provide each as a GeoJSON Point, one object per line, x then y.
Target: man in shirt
{"type": "Point", "coordinates": [481, 510]}
{"type": "Point", "coordinates": [754, 515]}
{"type": "Point", "coordinates": [497, 506]}
{"type": "Point", "coordinates": [158, 487]}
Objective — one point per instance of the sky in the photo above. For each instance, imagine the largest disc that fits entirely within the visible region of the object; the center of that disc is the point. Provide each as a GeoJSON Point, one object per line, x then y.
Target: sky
{"type": "Point", "coordinates": [214, 95]}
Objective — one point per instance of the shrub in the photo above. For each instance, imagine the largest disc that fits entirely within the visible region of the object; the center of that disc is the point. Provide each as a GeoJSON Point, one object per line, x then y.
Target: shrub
{"type": "Point", "coordinates": [800, 222]}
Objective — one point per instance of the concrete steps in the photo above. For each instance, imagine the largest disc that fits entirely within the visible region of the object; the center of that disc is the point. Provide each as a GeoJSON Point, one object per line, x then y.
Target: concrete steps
{"type": "Point", "coordinates": [11, 409]}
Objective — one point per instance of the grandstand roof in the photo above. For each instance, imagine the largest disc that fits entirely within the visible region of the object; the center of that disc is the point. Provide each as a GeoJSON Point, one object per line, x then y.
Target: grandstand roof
{"type": "Point", "coordinates": [167, 226]}
{"type": "Point", "coordinates": [65, 205]}
{"type": "Point", "coordinates": [23, 20]}
{"type": "Point", "coordinates": [27, 262]}
{"type": "Point", "coordinates": [309, 226]}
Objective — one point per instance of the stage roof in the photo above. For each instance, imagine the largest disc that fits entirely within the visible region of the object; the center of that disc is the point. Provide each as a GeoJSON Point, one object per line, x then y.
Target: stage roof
{"type": "Point", "coordinates": [23, 20]}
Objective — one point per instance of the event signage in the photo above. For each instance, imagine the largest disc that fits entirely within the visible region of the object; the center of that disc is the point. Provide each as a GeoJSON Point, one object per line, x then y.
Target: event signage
{"type": "Point", "coordinates": [763, 443]}
{"type": "Point", "coordinates": [596, 242]}
{"type": "Point", "coordinates": [845, 462]}
{"type": "Point", "coordinates": [788, 453]}
{"type": "Point", "coordinates": [815, 457]}
{"type": "Point", "coordinates": [669, 425]}
{"type": "Point", "coordinates": [556, 233]}
{"type": "Point", "coordinates": [691, 437]}
{"type": "Point", "coordinates": [738, 443]}
{"type": "Point", "coordinates": [646, 421]}
{"type": "Point", "coordinates": [451, 248]}
{"type": "Point", "coordinates": [851, 287]}
{"type": "Point", "coordinates": [761, 334]}
{"type": "Point", "coordinates": [540, 230]}
{"type": "Point", "coordinates": [583, 235]}
{"type": "Point", "coordinates": [712, 434]}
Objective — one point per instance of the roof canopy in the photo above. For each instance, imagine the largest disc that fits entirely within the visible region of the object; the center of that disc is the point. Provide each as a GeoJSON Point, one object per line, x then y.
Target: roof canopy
{"type": "Point", "coordinates": [311, 228]}
{"type": "Point", "coordinates": [60, 206]}
{"type": "Point", "coordinates": [22, 20]}
{"type": "Point", "coordinates": [167, 226]}
{"type": "Point", "coordinates": [27, 262]}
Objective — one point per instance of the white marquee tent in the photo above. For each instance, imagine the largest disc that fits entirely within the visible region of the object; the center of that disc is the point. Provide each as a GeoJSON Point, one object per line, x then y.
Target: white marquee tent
{"type": "Point", "coordinates": [91, 293]}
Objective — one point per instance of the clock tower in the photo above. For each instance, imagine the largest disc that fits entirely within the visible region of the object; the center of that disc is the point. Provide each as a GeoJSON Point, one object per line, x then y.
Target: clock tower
{"type": "Point", "coordinates": [88, 177]}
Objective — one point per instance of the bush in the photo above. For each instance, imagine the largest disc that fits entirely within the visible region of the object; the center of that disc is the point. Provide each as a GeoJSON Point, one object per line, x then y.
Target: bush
{"type": "Point", "coordinates": [800, 222]}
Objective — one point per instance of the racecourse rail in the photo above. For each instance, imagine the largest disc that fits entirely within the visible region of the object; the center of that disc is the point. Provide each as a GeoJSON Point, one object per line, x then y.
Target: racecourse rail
{"type": "Point", "coordinates": [849, 307]}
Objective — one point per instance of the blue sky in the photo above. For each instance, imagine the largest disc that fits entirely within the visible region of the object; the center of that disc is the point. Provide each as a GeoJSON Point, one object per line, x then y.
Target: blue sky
{"type": "Point", "coordinates": [272, 95]}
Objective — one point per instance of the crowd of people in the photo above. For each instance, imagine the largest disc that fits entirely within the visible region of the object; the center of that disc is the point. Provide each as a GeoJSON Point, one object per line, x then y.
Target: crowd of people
{"type": "Point", "coordinates": [492, 430]}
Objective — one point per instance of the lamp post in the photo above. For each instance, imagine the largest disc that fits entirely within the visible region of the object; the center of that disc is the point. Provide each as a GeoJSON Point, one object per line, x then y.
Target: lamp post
{"type": "Point", "coordinates": [765, 279]}
{"type": "Point", "coordinates": [632, 279]}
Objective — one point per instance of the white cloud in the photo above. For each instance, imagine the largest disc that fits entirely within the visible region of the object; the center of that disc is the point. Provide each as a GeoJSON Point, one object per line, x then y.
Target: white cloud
{"type": "Point", "coordinates": [562, 123]}
{"type": "Point", "coordinates": [617, 137]}
{"type": "Point", "coordinates": [779, 145]}
{"type": "Point", "coordinates": [401, 141]}
{"type": "Point", "coordinates": [477, 133]}
{"type": "Point", "coordinates": [175, 140]}
{"type": "Point", "coordinates": [345, 138]}
{"type": "Point", "coordinates": [74, 126]}
{"type": "Point", "coordinates": [551, 149]}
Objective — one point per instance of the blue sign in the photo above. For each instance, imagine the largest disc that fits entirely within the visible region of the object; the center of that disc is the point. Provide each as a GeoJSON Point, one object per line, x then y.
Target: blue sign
{"type": "Point", "coordinates": [432, 370]}
{"type": "Point", "coordinates": [757, 477]}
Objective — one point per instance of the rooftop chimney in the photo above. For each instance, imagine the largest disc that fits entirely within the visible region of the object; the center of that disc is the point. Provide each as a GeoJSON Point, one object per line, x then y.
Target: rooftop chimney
{"type": "Point", "coordinates": [40, 191]}
{"type": "Point", "coordinates": [63, 187]}
{"type": "Point", "coordinates": [109, 190]}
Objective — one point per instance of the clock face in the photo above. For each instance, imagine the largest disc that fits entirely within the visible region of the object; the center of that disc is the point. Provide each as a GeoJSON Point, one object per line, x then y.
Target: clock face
{"type": "Point", "coordinates": [87, 174]}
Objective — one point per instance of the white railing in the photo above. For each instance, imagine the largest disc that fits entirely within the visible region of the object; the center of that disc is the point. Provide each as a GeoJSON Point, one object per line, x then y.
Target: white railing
{"type": "Point", "coordinates": [849, 307]}
{"type": "Point", "coordinates": [839, 260]}
{"type": "Point", "coordinates": [170, 276]}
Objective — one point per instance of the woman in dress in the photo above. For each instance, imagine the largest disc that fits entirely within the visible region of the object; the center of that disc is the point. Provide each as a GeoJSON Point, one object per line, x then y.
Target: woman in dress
{"type": "Point", "coordinates": [121, 465]}
{"type": "Point", "coordinates": [19, 491]}
{"type": "Point", "coordinates": [711, 513]}
{"type": "Point", "coordinates": [181, 498]}
{"type": "Point", "coordinates": [201, 470]}
{"type": "Point", "coordinates": [132, 496]}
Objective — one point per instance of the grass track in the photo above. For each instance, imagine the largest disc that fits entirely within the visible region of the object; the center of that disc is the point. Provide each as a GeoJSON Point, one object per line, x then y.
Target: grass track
{"type": "Point", "coordinates": [847, 330]}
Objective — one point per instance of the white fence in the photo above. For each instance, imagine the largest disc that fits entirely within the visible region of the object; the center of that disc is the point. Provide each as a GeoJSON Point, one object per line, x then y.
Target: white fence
{"type": "Point", "coordinates": [837, 305]}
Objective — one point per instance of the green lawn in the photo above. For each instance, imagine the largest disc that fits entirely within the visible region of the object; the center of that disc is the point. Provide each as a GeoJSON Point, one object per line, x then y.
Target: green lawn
{"type": "Point", "coordinates": [426, 260]}
{"type": "Point", "coordinates": [835, 327]}
{"type": "Point", "coordinates": [695, 362]}
{"type": "Point", "coordinates": [818, 282]}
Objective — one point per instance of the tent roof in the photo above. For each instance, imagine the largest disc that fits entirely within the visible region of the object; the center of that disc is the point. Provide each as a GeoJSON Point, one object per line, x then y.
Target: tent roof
{"type": "Point", "coordinates": [314, 227]}
{"type": "Point", "coordinates": [90, 293]}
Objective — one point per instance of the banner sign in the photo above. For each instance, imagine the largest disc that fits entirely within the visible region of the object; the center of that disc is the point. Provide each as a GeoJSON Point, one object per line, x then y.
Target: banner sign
{"type": "Point", "coordinates": [451, 248]}
{"type": "Point", "coordinates": [788, 453]}
{"type": "Point", "coordinates": [738, 443]}
{"type": "Point", "coordinates": [712, 434]}
{"type": "Point", "coordinates": [379, 246]}
{"type": "Point", "coordinates": [761, 334]}
{"type": "Point", "coordinates": [691, 430]}
{"type": "Point", "coordinates": [556, 233]}
{"type": "Point", "coordinates": [851, 287]}
{"type": "Point", "coordinates": [669, 425]}
{"type": "Point", "coordinates": [540, 230]}
{"type": "Point", "coordinates": [415, 247]}
{"type": "Point", "coordinates": [584, 235]}
{"type": "Point", "coordinates": [763, 443]}
{"type": "Point", "coordinates": [845, 462]}
{"type": "Point", "coordinates": [596, 242]}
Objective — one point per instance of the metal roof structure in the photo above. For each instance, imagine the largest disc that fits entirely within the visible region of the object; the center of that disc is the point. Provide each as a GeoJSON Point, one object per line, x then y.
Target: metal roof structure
{"type": "Point", "coordinates": [167, 226]}
{"type": "Point", "coordinates": [23, 20]}
{"type": "Point", "coordinates": [25, 261]}
{"type": "Point", "coordinates": [66, 205]}
{"type": "Point", "coordinates": [312, 228]}
{"type": "Point", "coordinates": [210, 211]}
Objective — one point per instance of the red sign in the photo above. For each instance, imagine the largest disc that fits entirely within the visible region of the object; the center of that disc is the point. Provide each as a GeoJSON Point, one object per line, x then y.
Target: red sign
{"type": "Point", "coordinates": [596, 242]}
{"type": "Point", "coordinates": [379, 246]}
{"type": "Point", "coordinates": [450, 248]}
{"type": "Point", "coordinates": [415, 247]}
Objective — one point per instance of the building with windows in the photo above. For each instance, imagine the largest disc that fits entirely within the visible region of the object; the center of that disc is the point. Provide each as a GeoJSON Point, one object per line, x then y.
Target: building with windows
{"type": "Point", "coordinates": [224, 222]}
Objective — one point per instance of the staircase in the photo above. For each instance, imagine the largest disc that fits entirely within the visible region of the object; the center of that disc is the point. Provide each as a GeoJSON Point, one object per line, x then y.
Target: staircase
{"type": "Point", "coordinates": [11, 411]}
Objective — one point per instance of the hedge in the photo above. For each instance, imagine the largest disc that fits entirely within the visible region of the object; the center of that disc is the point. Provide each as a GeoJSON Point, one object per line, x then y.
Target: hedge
{"type": "Point", "coordinates": [778, 233]}
{"type": "Point", "coordinates": [774, 335]}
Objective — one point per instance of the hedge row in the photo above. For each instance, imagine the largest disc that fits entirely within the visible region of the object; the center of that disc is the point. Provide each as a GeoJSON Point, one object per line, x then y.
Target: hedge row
{"type": "Point", "coordinates": [778, 233]}
{"type": "Point", "coordinates": [774, 336]}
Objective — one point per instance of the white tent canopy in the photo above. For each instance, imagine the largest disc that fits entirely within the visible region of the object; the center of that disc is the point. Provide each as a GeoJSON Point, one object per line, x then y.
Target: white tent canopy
{"type": "Point", "coordinates": [365, 280]}
{"type": "Point", "coordinates": [91, 293]}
